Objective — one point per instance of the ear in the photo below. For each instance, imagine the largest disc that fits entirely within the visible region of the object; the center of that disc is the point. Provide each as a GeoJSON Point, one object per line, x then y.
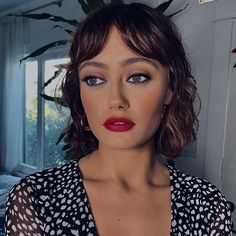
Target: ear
{"type": "Point", "coordinates": [168, 97]}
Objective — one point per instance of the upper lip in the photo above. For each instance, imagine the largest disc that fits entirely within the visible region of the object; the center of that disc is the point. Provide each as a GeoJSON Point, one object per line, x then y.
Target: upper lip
{"type": "Point", "coordinates": [113, 120]}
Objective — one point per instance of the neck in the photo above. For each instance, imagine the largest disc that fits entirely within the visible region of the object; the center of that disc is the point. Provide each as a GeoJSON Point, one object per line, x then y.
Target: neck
{"type": "Point", "coordinates": [131, 167]}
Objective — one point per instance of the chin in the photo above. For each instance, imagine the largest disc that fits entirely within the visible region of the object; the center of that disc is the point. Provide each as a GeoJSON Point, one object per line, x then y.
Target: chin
{"type": "Point", "coordinates": [123, 143]}
{"type": "Point", "coordinates": [124, 140]}
{"type": "Point", "coordinates": [116, 144]}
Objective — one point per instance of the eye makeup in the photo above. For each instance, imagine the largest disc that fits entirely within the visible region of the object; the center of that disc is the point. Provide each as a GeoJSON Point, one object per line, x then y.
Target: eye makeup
{"type": "Point", "coordinates": [93, 80]}
{"type": "Point", "coordinates": [139, 78]}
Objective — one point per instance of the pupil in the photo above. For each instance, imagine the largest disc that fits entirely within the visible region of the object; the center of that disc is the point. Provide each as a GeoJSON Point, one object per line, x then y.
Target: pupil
{"type": "Point", "coordinates": [92, 81]}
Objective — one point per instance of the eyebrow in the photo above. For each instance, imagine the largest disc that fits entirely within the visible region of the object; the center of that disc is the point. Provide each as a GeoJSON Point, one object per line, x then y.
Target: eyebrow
{"type": "Point", "coordinates": [124, 63]}
{"type": "Point", "coordinates": [94, 64]}
{"type": "Point", "coordinates": [133, 60]}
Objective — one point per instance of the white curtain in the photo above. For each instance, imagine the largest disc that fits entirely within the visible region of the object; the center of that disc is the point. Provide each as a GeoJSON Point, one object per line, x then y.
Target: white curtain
{"type": "Point", "coordinates": [11, 92]}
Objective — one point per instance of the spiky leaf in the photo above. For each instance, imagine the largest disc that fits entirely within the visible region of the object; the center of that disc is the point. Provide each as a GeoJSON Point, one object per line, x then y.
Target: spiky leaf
{"type": "Point", "coordinates": [93, 4]}
{"type": "Point", "coordinates": [62, 135]}
{"type": "Point", "coordinates": [47, 16]}
{"type": "Point", "coordinates": [65, 147]}
{"type": "Point", "coordinates": [43, 49]}
{"type": "Point", "coordinates": [73, 155]}
{"type": "Point", "coordinates": [56, 74]}
{"type": "Point", "coordinates": [68, 31]}
{"type": "Point", "coordinates": [162, 7]}
{"type": "Point", "coordinates": [117, 2]}
{"type": "Point", "coordinates": [90, 5]}
{"type": "Point", "coordinates": [177, 12]}
{"type": "Point", "coordinates": [84, 6]}
{"type": "Point", "coordinates": [57, 100]}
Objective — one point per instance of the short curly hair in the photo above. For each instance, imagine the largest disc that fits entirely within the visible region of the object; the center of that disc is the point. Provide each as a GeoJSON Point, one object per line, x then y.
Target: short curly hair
{"type": "Point", "coordinates": [147, 32]}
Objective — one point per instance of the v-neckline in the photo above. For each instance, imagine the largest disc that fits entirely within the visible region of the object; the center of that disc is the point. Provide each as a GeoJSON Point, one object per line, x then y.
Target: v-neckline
{"type": "Point", "coordinates": [90, 211]}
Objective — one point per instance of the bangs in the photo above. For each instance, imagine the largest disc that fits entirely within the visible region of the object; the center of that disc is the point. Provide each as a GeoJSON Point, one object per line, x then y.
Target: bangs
{"type": "Point", "coordinates": [140, 32]}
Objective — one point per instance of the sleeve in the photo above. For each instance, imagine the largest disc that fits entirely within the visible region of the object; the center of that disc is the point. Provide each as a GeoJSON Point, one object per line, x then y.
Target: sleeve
{"type": "Point", "coordinates": [22, 217]}
{"type": "Point", "coordinates": [222, 224]}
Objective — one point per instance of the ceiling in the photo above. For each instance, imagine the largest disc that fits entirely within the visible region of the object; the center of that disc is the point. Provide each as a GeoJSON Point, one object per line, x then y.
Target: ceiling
{"type": "Point", "coordinates": [8, 5]}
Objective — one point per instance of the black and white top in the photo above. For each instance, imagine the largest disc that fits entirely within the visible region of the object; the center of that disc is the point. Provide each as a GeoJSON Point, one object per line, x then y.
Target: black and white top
{"type": "Point", "coordinates": [54, 202]}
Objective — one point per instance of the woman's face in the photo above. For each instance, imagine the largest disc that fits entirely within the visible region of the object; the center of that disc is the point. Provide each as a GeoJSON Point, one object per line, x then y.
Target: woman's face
{"type": "Point", "coordinates": [117, 83]}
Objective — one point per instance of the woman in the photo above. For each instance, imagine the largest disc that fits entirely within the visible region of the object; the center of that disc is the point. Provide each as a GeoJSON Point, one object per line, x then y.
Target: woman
{"type": "Point", "coordinates": [130, 92]}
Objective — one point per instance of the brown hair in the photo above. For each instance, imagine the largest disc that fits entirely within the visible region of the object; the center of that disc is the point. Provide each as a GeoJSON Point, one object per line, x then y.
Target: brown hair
{"type": "Point", "coordinates": [149, 33]}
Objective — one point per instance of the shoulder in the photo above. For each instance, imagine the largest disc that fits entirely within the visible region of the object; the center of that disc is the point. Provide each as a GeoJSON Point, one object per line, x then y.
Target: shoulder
{"type": "Point", "coordinates": [48, 182]}
{"type": "Point", "coordinates": [192, 186]}
{"type": "Point", "coordinates": [48, 198]}
{"type": "Point", "coordinates": [200, 203]}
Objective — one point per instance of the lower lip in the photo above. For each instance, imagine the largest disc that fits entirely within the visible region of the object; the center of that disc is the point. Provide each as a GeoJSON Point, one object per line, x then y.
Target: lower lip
{"type": "Point", "coordinates": [119, 128]}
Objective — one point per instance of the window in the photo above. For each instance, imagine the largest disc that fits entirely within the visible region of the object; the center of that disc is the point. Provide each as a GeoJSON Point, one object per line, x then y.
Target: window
{"type": "Point", "coordinates": [44, 120]}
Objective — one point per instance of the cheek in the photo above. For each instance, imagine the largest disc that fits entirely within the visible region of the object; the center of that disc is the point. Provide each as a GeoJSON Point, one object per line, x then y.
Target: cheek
{"type": "Point", "coordinates": [87, 100]}
{"type": "Point", "coordinates": [152, 109]}
{"type": "Point", "coordinates": [87, 103]}
{"type": "Point", "coordinates": [92, 107]}
{"type": "Point", "coordinates": [152, 105]}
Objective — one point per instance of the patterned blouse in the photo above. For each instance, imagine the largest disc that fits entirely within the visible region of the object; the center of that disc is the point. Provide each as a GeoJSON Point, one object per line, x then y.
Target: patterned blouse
{"type": "Point", "coordinates": [54, 202]}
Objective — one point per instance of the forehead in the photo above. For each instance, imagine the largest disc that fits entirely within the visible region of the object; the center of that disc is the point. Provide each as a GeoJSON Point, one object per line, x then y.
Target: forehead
{"type": "Point", "coordinates": [115, 47]}
{"type": "Point", "coordinates": [115, 51]}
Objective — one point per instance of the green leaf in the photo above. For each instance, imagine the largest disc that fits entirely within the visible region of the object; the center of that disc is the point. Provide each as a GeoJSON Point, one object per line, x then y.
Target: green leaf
{"type": "Point", "coordinates": [73, 155]}
{"type": "Point", "coordinates": [70, 32]}
{"type": "Point", "coordinates": [84, 6]}
{"type": "Point", "coordinates": [177, 12]}
{"type": "Point", "coordinates": [93, 4]}
{"type": "Point", "coordinates": [90, 5]}
{"type": "Point", "coordinates": [62, 135]}
{"type": "Point", "coordinates": [65, 147]}
{"type": "Point", "coordinates": [47, 16]}
{"type": "Point", "coordinates": [162, 7]}
{"type": "Point", "coordinates": [57, 100]}
{"type": "Point", "coordinates": [56, 73]}
{"type": "Point", "coordinates": [44, 49]}
{"type": "Point", "coordinates": [117, 2]}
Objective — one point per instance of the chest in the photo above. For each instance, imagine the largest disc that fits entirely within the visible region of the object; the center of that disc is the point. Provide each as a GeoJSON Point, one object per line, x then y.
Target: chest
{"type": "Point", "coordinates": [132, 214]}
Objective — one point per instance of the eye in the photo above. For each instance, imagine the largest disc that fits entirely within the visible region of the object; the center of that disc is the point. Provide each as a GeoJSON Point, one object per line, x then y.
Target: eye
{"type": "Point", "coordinates": [138, 78]}
{"type": "Point", "coordinates": [93, 80]}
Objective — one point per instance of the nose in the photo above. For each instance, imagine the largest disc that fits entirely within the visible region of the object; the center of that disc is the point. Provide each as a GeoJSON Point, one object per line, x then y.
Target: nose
{"type": "Point", "coordinates": [117, 99]}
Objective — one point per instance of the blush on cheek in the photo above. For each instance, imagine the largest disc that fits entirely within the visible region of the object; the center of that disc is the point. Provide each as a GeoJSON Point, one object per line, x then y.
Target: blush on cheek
{"type": "Point", "coordinates": [157, 116]}
{"type": "Point", "coordinates": [87, 103]}
{"type": "Point", "coordinates": [156, 123]}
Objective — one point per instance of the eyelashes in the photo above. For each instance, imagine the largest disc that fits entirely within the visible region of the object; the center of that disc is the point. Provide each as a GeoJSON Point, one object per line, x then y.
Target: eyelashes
{"type": "Point", "coordinates": [93, 80]}
{"type": "Point", "coordinates": [136, 79]}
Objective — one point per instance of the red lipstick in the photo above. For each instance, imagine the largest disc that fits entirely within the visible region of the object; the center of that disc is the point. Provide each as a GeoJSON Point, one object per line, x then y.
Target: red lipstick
{"type": "Point", "coordinates": [118, 124]}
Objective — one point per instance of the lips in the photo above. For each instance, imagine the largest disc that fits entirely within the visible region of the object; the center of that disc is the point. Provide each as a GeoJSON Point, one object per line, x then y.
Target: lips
{"type": "Point", "coordinates": [119, 124]}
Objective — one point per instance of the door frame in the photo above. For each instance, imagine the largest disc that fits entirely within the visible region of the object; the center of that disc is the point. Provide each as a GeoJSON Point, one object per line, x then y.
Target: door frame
{"type": "Point", "coordinates": [225, 14]}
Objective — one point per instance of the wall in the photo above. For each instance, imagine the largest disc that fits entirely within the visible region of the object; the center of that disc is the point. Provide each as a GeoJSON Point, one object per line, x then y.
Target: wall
{"type": "Point", "coordinates": [197, 29]}
{"type": "Point", "coordinates": [221, 142]}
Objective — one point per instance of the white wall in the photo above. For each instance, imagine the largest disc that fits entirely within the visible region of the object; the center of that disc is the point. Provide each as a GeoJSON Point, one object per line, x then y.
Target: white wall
{"type": "Point", "coordinates": [197, 28]}
{"type": "Point", "coordinates": [221, 142]}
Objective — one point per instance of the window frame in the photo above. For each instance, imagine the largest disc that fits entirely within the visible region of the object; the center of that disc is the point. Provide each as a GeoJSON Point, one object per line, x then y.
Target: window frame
{"type": "Point", "coordinates": [24, 168]}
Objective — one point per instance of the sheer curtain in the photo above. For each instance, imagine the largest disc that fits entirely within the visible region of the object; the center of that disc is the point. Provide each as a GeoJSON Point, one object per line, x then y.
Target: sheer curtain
{"type": "Point", "coordinates": [11, 92]}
